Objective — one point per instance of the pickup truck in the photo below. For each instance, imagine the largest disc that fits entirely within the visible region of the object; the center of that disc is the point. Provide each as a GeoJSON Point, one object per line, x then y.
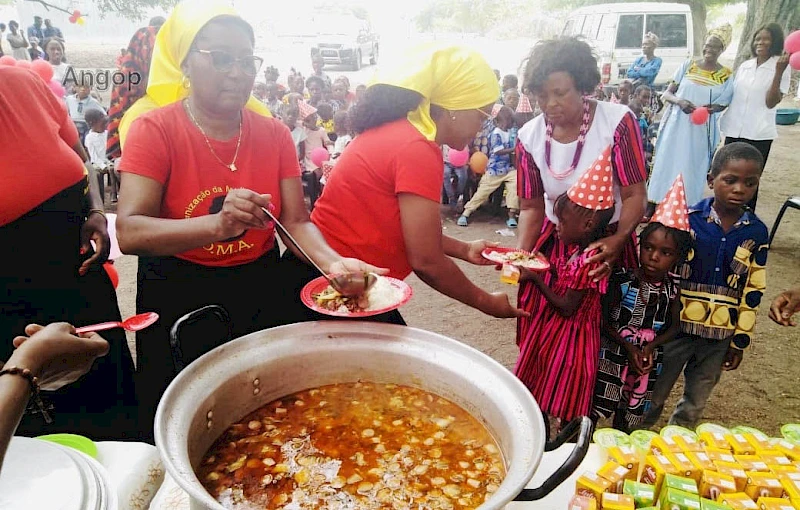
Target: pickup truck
{"type": "Point", "coordinates": [346, 40]}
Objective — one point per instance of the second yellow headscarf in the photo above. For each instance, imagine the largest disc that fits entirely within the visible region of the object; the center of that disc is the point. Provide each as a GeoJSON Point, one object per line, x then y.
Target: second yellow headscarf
{"type": "Point", "coordinates": [452, 77]}
{"type": "Point", "coordinates": [165, 83]}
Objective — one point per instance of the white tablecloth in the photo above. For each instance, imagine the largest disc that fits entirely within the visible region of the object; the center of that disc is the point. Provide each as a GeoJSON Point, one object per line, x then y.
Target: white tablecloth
{"type": "Point", "coordinates": [171, 497]}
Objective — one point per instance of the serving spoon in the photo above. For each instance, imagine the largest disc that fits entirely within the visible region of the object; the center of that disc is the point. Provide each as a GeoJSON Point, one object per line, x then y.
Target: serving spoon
{"type": "Point", "coordinates": [348, 285]}
{"type": "Point", "coordinates": [133, 323]}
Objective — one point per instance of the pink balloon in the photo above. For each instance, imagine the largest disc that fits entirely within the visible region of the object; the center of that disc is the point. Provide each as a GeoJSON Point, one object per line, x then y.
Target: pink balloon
{"type": "Point", "coordinates": [458, 158]}
{"type": "Point", "coordinates": [43, 69]}
{"type": "Point", "coordinates": [794, 61]}
{"type": "Point", "coordinates": [792, 43]}
{"type": "Point", "coordinates": [57, 88]}
{"type": "Point", "coordinates": [7, 60]}
{"type": "Point", "coordinates": [700, 115]}
{"type": "Point", "coordinates": [23, 64]}
{"type": "Point", "coordinates": [319, 156]}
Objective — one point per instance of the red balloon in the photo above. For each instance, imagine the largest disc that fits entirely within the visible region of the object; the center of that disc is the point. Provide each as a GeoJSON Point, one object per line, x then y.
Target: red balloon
{"type": "Point", "coordinates": [8, 60]}
{"type": "Point", "coordinates": [794, 61]}
{"type": "Point", "coordinates": [76, 13]}
{"type": "Point", "coordinates": [700, 115]}
{"type": "Point", "coordinates": [319, 156]}
{"type": "Point", "coordinates": [112, 273]}
{"type": "Point", "coordinates": [458, 158]}
{"type": "Point", "coordinates": [57, 88]}
{"type": "Point", "coordinates": [73, 19]}
{"type": "Point", "coordinates": [25, 64]}
{"type": "Point", "coordinates": [792, 43]}
{"type": "Point", "coordinates": [43, 69]}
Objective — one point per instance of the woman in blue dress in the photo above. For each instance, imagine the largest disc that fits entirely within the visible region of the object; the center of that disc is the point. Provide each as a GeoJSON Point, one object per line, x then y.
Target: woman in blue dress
{"type": "Point", "coordinates": [683, 147]}
{"type": "Point", "coordinates": [644, 69]}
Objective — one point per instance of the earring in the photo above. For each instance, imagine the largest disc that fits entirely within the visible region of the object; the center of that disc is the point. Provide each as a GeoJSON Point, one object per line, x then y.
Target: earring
{"type": "Point", "coordinates": [185, 83]}
{"type": "Point", "coordinates": [453, 118]}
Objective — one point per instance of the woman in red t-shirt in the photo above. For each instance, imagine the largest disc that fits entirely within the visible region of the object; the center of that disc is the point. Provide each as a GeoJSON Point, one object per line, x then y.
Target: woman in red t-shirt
{"type": "Point", "coordinates": [51, 272]}
{"type": "Point", "coordinates": [195, 174]}
{"type": "Point", "coordinates": [382, 203]}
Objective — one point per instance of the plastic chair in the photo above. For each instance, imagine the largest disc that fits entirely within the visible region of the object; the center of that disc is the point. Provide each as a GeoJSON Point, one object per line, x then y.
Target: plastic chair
{"type": "Point", "coordinates": [794, 203]}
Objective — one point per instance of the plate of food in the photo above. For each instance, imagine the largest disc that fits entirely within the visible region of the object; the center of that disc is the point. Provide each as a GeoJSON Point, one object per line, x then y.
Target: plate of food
{"type": "Point", "coordinates": [534, 261]}
{"type": "Point", "coordinates": [386, 295]}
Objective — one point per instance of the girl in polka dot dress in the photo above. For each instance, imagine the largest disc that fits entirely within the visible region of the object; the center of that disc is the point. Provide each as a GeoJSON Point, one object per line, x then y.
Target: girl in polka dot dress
{"type": "Point", "coordinates": [558, 359]}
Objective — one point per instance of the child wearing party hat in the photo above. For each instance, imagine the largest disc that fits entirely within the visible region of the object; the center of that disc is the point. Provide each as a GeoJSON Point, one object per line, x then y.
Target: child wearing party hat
{"type": "Point", "coordinates": [558, 361]}
{"type": "Point", "coordinates": [642, 313]}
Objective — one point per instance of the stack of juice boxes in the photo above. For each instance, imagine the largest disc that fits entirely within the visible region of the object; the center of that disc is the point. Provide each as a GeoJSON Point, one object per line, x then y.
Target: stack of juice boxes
{"type": "Point", "coordinates": [713, 469]}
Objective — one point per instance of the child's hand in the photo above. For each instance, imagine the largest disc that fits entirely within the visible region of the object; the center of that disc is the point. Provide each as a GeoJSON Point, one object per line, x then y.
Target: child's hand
{"type": "Point", "coordinates": [526, 275]}
{"type": "Point", "coordinates": [634, 358]}
{"type": "Point", "coordinates": [732, 359]}
{"type": "Point", "coordinates": [647, 359]}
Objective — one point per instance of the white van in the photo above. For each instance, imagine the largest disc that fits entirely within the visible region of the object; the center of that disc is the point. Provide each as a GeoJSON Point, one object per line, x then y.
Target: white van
{"type": "Point", "coordinates": [615, 31]}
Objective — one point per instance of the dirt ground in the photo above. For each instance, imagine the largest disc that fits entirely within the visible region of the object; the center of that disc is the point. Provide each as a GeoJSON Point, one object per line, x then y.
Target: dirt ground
{"type": "Point", "coordinates": [764, 392]}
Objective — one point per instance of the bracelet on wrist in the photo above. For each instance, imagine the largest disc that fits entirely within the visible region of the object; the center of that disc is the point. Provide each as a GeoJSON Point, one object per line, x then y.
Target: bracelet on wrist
{"type": "Point", "coordinates": [98, 211]}
{"type": "Point", "coordinates": [33, 382]}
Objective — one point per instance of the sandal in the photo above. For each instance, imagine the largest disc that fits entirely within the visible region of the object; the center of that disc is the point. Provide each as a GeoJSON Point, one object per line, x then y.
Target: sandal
{"type": "Point", "coordinates": [462, 221]}
{"type": "Point", "coordinates": [511, 223]}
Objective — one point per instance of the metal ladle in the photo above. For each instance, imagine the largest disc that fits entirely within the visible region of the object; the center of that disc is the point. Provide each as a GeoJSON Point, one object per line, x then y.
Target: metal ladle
{"type": "Point", "coordinates": [348, 285]}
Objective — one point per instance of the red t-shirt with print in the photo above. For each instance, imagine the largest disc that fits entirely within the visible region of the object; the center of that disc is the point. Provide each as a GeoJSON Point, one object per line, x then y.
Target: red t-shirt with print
{"type": "Point", "coordinates": [359, 212]}
{"type": "Point", "coordinates": [166, 146]}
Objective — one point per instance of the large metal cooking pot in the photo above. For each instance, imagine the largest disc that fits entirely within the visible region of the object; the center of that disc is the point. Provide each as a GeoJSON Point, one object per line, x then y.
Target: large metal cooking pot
{"type": "Point", "coordinates": [240, 376]}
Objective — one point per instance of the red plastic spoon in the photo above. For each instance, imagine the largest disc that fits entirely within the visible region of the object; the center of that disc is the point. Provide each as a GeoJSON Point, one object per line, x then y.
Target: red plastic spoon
{"type": "Point", "coordinates": [133, 323]}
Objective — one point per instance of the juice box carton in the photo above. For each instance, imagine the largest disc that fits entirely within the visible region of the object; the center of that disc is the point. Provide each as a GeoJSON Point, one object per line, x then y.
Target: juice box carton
{"type": "Point", "coordinates": [763, 485]}
{"type": "Point", "coordinates": [661, 445]}
{"type": "Point", "coordinates": [615, 474]}
{"type": "Point", "coordinates": [793, 475]}
{"type": "Point", "coordinates": [779, 469]}
{"type": "Point", "coordinates": [735, 470]}
{"type": "Point", "coordinates": [714, 440]}
{"type": "Point", "coordinates": [627, 457]}
{"type": "Point", "coordinates": [685, 466]}
{"type": "Point", "coordinates": [737, 501]}
{"type": "Point", "coordinates": [775, 457]}
{"type": "Point", "coordinates": [509, 274]}
{"type": "Point", "coordinates": [701, 461]}
{"type": "Point", "coordinates": [582, 503]}
{"type": "Point", "coordinates": [791, 488]}
{"type": "Point", "coordinates": [688, 444]}
{"type": "Point", "coordinates": [674, 499]}
{"type": "Point", "coordinates": [618, 502]}
{"type": "Point", "coordinates": [751, 463]}
{"type": "Point", "coordinates": [591, 485]}
{"type": "Point", "coordinates": [739, 444]}
{"type": "Point", "coordinates": [791, 450]}
{"type": "Point", "coordinates": [655, 468]}
{"type": "Point", "coordinates": [707, 504]}
{"type": "Point", "coordinates": [758, 442]}
{"type": "Point", "coordinates": [643, 494]}
{"type": "Point", "coordinates": [723, 455]}
{"type": "Point", "coordinates": [679, 482]}
{"type": "Point", "coordinates": [713, 484]}
{"type": "Point", "coordinates": [774, 504]}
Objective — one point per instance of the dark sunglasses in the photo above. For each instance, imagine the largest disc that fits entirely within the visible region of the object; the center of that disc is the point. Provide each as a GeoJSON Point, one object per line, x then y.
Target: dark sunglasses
{"type": "Point", "coordinates": [224, 61]}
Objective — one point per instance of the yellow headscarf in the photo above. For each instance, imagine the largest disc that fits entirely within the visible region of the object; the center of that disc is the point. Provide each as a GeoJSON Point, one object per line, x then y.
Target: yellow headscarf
{"type": "Point", "coordinates": [165, 84]}
{"type": "Point", "coordinates": [452, 77]}
{"type": "Point", "coordinates": [724, 33]}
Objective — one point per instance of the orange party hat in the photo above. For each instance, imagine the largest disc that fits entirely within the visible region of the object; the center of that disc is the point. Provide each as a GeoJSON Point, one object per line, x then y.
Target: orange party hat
{"type": "Point", "coordinates": [524, 105]}
{"type": "Point", "coordinates": [673, 211]}
{"type": "Point", "coordinates": [595, 188]}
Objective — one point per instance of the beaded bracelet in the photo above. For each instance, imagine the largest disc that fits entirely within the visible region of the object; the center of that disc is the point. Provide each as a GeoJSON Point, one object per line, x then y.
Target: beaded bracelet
{"type": "Point", "coordinates": [33, 382]}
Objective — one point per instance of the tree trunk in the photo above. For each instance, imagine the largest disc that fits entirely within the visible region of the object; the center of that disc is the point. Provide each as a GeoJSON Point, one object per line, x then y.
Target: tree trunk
{"type": "Point", "coordinates": [698, 23]}
{"type": "Point", "coordinates": [759, 12]}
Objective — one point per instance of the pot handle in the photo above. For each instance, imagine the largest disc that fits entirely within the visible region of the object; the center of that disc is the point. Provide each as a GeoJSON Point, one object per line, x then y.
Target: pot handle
{"type": "Point", "coordinates": [583, 427]}
{"type": "Point", "coordinates": [191, 317]}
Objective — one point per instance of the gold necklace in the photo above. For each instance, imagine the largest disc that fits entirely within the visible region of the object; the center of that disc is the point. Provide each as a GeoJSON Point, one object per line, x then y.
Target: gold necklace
{"type": "Point", "coordinates": [232, 166]}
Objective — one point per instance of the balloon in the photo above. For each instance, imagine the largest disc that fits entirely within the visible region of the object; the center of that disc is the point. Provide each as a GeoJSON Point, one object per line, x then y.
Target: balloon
{"type": "Point", "coordinates": [43, 69]}
{"type": "Point", "coordinates": [700, 115]}
{"type": "Point", "coordinates": [25, 64]}
{"type": "Point", "coordinates": [8, 60]}
{"type": "Point", "coordinates": [76, 13]}
{"type": "Point", "coordinates": [57, 88]}
{"type": "Point", "coordinates": [80, 21]}
{"type": "Point", "coordinates": [792, 42]}
{"type": "Point", "coordinates": [319, 156]}
{"type": "Point", "coordinates": [73, 19]}
{"type": "Point", "coordinates": [478, 162]}
{"type": "Point", "coordinates": [794, 61]}
{"type": "Point", "coordinates": [112, 273]}
{"type": "Point", "coordinates": [458, 158]}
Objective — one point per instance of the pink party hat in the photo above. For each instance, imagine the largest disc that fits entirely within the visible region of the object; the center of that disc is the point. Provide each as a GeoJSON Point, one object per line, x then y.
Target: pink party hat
{"type": "Point", "coordinates": [673, 211]}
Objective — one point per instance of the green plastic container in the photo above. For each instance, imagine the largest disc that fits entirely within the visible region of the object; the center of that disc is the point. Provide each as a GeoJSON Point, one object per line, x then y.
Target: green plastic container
{"type": "Point", "coordinates": [74, 441]}
{"type": "Point", "coordinates": [711, 427]}
{"type": "Point", "coordinates": [791, 432]}
{"type": "Point", "coordinates": [675, 430]}
{"type": "Point", "coordinates": [606, 438]}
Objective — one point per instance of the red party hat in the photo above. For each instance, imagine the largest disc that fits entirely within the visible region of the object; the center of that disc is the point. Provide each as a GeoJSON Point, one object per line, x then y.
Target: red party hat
{"type": "Point", "coordinates": [673, 211]}
{"type": "Point", "coordinates": [305, 109]}
{"type": "Point", "coordinates": [595, 188]}
{"type": "Point", "coordinates": [524, 105]}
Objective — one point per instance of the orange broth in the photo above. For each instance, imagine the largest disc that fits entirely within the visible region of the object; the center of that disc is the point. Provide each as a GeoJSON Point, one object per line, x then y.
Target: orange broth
{"type": "Point", "coordinates": [354, 446]}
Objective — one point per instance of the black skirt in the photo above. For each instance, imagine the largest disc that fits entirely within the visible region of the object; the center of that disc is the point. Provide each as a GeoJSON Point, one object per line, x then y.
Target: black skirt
{"type": "Point", "coordinates": [252, 294]}
{"type": "Point", "coordinates": [39, 283]}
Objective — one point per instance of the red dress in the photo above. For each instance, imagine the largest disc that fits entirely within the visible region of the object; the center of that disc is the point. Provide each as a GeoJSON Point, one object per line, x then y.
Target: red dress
{"type": "Point", "coordinates": [558, 355]}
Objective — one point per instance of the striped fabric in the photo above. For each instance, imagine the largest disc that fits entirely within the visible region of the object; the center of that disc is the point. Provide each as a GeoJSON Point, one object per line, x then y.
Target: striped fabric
{"type": "Point", "coordinates": [708, 78]}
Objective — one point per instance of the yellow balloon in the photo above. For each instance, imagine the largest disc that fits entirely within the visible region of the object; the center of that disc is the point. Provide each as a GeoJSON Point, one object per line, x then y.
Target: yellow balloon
{"type": "Point", "coordinates": [80, 21]}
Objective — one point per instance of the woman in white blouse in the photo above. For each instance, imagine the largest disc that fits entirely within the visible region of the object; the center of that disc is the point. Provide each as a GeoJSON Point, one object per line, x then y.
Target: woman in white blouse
{"type": "Point", "coordinates": [759, 86]}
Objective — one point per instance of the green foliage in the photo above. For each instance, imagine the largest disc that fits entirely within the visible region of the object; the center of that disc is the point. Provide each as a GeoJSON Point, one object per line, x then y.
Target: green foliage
{"type": "Point", "coordinates": [131, 9]}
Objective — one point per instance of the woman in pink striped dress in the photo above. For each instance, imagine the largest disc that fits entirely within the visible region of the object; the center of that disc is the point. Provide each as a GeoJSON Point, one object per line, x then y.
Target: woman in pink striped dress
{"type": "Point", "coordinates": [554, 151]}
